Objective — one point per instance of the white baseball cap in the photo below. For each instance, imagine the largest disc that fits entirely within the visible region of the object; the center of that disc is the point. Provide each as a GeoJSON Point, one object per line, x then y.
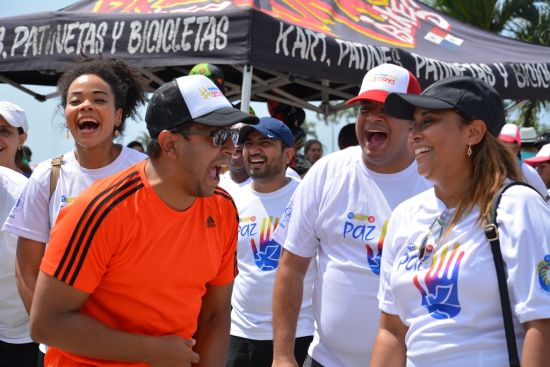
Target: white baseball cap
{"type": "Point", "coordinates": [14, 115]}
{"type": "Point", "coordinates": [191, 98]}
{"type": "Point", "coordinates": [510, 134]}
{"type": "Point", "coordinates": [383, 80]}
{"type": "Point", "coordinates": [542, 156]}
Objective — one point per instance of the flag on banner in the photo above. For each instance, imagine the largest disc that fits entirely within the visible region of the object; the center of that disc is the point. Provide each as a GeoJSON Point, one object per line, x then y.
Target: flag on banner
{"type": "Point", "coordinates": [443, 38]}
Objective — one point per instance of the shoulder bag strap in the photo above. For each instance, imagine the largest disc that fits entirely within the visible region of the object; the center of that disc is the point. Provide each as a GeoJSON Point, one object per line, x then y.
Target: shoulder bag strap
{"type": "Point", "coordinates": [491, 232]}
{"type": "Point", "coordinates": [54, 174]}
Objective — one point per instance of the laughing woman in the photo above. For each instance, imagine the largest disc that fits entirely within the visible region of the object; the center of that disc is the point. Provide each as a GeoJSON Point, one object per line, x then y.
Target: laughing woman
{"type": "Point", "coordinates": [438, 293]}
{"type": "Point", "coordinates": [98, 96]}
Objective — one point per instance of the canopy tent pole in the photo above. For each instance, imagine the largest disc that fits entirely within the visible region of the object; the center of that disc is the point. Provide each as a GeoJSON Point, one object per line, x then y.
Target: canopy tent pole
{"type": "Point", "coordinates": [246, 88]}
{"type": "Point", "coordinates": [37, 96]}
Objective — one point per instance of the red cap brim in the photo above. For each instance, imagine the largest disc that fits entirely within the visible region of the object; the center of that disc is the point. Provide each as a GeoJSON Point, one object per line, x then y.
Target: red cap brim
{"type": "Point", "coordinates": [535, 160]}
{"type": "Point", "coordinates": [508, 139]}
{"type": "Point", "coordinates": [370, 95]}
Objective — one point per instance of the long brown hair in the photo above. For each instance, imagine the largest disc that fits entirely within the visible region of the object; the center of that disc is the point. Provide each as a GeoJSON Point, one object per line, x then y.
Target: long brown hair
{"type": "Point", "coordinates": [492, 163]}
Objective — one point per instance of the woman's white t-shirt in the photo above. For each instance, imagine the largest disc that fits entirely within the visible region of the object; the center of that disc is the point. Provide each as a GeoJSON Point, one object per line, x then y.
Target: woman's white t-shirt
{"type": "Point", "coordinates": [14, 320]}
{"type": "Point", "coordinates": [450, 301]}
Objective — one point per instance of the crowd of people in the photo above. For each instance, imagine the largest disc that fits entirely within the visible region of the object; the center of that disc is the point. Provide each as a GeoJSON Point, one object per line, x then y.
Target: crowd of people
{"type": "Point", "coordinates": [220, 244]}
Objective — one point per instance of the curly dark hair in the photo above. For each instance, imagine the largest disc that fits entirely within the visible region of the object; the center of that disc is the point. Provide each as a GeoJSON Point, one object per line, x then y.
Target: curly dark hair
{"type": "Point", "coordinates": [127, 85]}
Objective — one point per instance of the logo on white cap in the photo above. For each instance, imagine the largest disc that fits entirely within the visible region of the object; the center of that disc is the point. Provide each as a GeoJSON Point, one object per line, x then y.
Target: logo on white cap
{"type": "Point", "coordinates": [387, 77]}
{"type": "Point", "coordinates": [195, 89]}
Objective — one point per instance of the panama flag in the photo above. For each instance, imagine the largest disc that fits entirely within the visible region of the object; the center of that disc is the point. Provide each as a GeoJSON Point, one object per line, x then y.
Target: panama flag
{"type": "Point", "coordinates": [443, 38]}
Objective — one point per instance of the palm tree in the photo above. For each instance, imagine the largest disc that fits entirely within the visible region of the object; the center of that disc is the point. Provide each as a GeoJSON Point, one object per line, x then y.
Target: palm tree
{"type": "Point", "coordinates": [535, 31]}
{"type": "Point", "coordinates": [526, 20]}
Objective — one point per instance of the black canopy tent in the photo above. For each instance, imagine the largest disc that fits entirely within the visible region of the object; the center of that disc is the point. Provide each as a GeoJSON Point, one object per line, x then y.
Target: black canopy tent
{"type": "Point", "coordinates": [287, 50]}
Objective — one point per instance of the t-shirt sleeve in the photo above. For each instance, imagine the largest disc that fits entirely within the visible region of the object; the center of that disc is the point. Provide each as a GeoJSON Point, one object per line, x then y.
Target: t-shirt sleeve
{"type": "Point", "coordinates": [534, 179]}
{"type": "Point", "coordinates": [523, 220]}
{"type": "Point", "coordinates": [30, 217]}
{"type": "Point", "coordinates": [297, 227]}
{"type": "Point", "coordinates": [228, 265]}
{"type": "Point", "coordinates": [385, 294]}
{"type": "Point", "coordinates": [83, 241]}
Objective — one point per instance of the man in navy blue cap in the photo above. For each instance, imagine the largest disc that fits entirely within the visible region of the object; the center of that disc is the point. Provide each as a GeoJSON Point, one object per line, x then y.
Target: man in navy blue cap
{"type": "Point", "coordinates": [267, 150]}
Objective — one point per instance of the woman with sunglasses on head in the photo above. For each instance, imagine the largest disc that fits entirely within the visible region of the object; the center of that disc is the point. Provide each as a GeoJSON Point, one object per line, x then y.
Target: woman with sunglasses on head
{"type": "Point", "coordinates": [13, 133]}
{"type": "Point", "coordinates": [97, 96]}
{"type": "Point", "coordinates": [16, 346]}
{"type": "Point", "coordinates": [439, 295]}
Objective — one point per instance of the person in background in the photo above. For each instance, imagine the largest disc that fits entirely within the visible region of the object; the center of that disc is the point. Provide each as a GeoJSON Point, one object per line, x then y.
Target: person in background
{"type": "Point", "coordinates": [347, 136]}
{"type": "Point", "coordinates": [268, 147]}
{"type": "Point", "coordinates": [313, 150]}
{"type": "Point", "coordinates": [510, 137]}
{"type": "Point", "coordinates": [293, 117]}
{"type": "Point", "coordinates": [338, 215]}
{"type": "Point", "coordinates": [13, 133]}
{"type": "Point", "coordinates": [16, 345]}
{"type": "Point", "coordinates": [299, 162]}
{"type": "Point", "coordinates": [23, 159]}
{"type": "Point", "coordinates": [528, 137]}
{"type": "Point", "coordinates": [212, 72]}
{"type": "Point", "coordinates": [152, 285]}
{"type": "Point", "coordinates": [97, 96]}
{"type": "Point", "coordinates": [438, 292]}
{"type": "Point", "coordinates": [134, 144]}
{"type": "Point", "coordinates": [542, 140]}
{"type": "Point", "coordinates": [541, 162]}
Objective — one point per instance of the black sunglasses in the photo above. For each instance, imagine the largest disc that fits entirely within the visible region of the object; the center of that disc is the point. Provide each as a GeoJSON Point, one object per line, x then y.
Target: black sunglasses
{"type": "Point", "coordinates": [219, 137]}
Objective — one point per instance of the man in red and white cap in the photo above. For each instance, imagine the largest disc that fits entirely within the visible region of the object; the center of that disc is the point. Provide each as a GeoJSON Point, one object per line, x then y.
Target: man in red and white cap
{"type": "Point", "coordinates": [338, 215]}
{"type": "Point", "coordinates": [541, 162]}
{"type": "Point", "coordinates": [510, 136]}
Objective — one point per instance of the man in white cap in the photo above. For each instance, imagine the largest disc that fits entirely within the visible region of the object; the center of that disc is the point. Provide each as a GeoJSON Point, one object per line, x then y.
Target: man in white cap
{"type": "Point", "coordinates": [511, 138]}
{"type": "Point", "coordinates": [541, 162]}
{"type": "Point", "coordinates": [140, 266]}
{"type": "Point", "coordinates": [339, 214]}
{"type": "Point", "coordinates": [13, 133]}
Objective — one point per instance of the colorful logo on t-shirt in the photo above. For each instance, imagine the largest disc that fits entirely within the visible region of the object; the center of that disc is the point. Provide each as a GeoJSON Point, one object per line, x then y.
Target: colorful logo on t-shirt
{"type": "Point", "coordinates": [543, 271]}
{"type": "Point", "coordinates": [440, 288]}
{"type": "Point", "coordinates": [64, 201]}
{"type": "Point", "coordinates": [362, 227]}
{"type": "Point", "coordinates": [285, 218]}
{"type": "Point", "coordinates": [375, 259]}
{"type": "Point", "coordinates": [17, 207]}
{"type": "Point", "coordinates": [266, 255]}
{"type": "Point", "coordinates": [359, 227]}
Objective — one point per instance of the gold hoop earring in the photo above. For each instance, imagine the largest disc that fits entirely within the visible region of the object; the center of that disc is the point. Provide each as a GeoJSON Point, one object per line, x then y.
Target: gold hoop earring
{"type": "Point", "coordinates": [469, 150]}
{"type": "Point", "coordinates": [116, 133]}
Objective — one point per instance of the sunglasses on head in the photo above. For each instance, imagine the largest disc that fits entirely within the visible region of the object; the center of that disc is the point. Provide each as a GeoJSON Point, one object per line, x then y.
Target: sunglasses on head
{"type": "Point", "coordinates": [219, 137]}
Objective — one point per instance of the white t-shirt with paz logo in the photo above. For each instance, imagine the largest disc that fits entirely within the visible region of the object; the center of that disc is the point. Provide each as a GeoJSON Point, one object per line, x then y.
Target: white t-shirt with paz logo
{"type": "Point", "coordinates": [450, 299]}
{"type": "Point", "coordinates": [339, 214]}
{"type": "Point", "coordinates": [258, 259]}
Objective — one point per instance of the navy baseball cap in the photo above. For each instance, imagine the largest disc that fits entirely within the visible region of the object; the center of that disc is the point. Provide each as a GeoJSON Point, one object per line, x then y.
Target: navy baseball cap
{"type": "Point", "coordinates": [270, 128]}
